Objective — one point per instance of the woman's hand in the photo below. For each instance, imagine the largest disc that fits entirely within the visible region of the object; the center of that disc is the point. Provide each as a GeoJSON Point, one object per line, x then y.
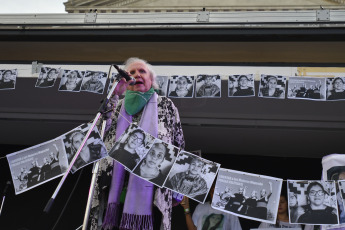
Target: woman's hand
{"type": "Point", "coordinates": [122, 86]}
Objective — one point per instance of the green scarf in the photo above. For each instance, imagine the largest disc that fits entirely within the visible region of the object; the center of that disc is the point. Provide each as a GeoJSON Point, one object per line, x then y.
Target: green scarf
{"type": "Point", "coordinates": [135, 101]}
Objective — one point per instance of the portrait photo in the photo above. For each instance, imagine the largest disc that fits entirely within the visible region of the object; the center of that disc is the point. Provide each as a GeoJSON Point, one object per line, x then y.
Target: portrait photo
{"type": "Point", "coordinates": [181, 86]}
{"type": "Point", "coordinates": [157, 163]}
{"type": "Point", "coordinates": [47, 77]}
{"type": "Point", "coordinates": [307, 88]}
{"type": "Point", "coordinates": [208, 86]}
{"type": "Point", "coordinates": [71, 80]}
{"type": "Point", "coordinates": [192, 176]}
{"type": "Point", "coordinates": [247, 195]}
{"type": "Point", "coordinates": [94, 81]}
{"type": "Point", "coordinates": [38, 164]}
{"type": "Point", "coordinates": [8, 79]}
{"type": "Point", "coordinates": [312, 202]}
{"type": "Point", "coordinates": [131, 147]}
{"type": "Point", "coordinates": [93, 150]}
{"type": "Point", "coordinates": [272, 86]}
{"type": "Point", "coordinates": [162, 82]}
{"type": "Point", "coordinates": [241, 85]}
{"type": "Point", "coordinates": [335, 88]}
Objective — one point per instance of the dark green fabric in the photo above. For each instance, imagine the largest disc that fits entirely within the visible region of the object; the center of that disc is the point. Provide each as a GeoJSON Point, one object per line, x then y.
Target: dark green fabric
{"type": "Point", "coordinates": [135, 101]}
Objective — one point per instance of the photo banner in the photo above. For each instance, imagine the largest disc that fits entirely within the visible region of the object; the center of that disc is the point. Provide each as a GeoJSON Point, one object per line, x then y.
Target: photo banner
{"type": "Point", "coordinates": [247, 195]}
{"type": "Point", "coordinates": [38, 164]}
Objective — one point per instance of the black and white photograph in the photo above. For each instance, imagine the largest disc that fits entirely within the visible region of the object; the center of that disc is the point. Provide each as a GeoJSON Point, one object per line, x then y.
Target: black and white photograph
{"type": "Point", "coordinates": [208, 86]}
{"type": "Point", "coordinates": [192, 176]}
{"type": "Point", "coordinates": [94, 81]}
{"type": "Point", "coordinates": [181, 86]}
{"type": "Point", "coordinates": [38, 164]}
{"type": "Point", "coordinates": [8, 78]}
{"type": "Point", "coordinates": [131, 147]}
{"type": "Point", "coordinates": [112, 79]}
{"type": "Point", "coordinates": [157, 163]}
{"type": "Point", "coordinates": [162, 82]}
{"type": "Point", "coordinates": [312, 202]}
{"type": "Point", "coordinates": [93, 150]}
{"type": "Point", "coordinates": [341, 205]}
{"type": "Point", "coordinates": [335, 88]}
{"type": "Point", "coordinates": [247, 195]}
{"type": "Point", "coordinates": [308, 88]}
{"type": "Point", "coordinates": [71, 80]}
{"type": "Point", "coordinates": [272, 86]}
{"type": "Point", "coordinates": [47, 77]}
{"type": "Point", "coordinates": [241, 85]}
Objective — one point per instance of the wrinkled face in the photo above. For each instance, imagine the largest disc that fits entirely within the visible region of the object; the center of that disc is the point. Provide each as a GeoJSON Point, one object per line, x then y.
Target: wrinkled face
{"type": "Point", "coordinates": [95, 77]}
{"type": "Point", "coordinates": [338, 84]}
{"type": "Point", "coordinates": [292, 200]}
{"type": "Point", "coordinates": [135, 140]}
{"type": "Point", "coordinates": [272, 83]}
{"type": "Point", "coordinates": [316, 195]}
{"type": "Point", "coordinates": [215, 219]}
{"type": "Point", "coordinates": [155, 156]}
{"type": "Point", "coordinates": [7, 76]}
{"type": "Point", "coordinates": [142, 75]}
{"type": "Point", "coordinates": [243, 82]}
{"type": "Point", "coordinates": [72, 77]}
{"type": "Point", "coordinates": [181, 83]}
{"type": "Point", "coordinates": [283, 205]}
{"type": "Point", "coordinates": [195, 167]}
{"type": "Point", "coordinates": [77, 140]}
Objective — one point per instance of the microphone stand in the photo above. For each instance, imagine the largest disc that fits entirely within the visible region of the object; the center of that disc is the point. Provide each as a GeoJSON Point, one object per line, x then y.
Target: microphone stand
{"type": "Point", "coordinates": [4, 196]}
{"type": "Point", "coordinates": [98, 115]}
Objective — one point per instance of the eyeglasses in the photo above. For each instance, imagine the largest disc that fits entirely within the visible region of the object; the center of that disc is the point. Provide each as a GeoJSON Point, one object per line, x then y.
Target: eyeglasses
{"type": "Point", "coordinates": [136, 138]}
{"type": "Point", "coordinates": [318, 193]}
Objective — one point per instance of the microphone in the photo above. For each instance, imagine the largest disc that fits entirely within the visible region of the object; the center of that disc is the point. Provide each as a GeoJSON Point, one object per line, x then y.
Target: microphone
{"type": "Point", "coordinates": [124, 75]}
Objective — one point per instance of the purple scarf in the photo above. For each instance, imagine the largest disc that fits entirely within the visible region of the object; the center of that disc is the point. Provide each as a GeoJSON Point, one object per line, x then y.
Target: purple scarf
{"type": "Point", "coordinates": [137, 211]}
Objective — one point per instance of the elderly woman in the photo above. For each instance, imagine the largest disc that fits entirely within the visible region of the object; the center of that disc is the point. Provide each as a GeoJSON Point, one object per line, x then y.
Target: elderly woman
{"type": "Point", "coordinates": [316, 212]}
{"type": "Point", "coordinates": [270, 89]}
{"type": "Point", "coordinates": [155, 115]}
{"type": "Point", "coordinates": [150, 166]}
{"type": "Point", "coordinates": [338, 91]}
{"type": "Point", "coordinates": [261, 205]}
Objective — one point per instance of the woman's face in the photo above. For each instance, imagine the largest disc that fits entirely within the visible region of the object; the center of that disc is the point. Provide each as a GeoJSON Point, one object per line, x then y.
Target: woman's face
{"type": "Point", "coordinates": [292, 200]}
{"type": "Point", "coordinates": [7, 76]}
{"type": "Point", "coordinates": [142, 75]}
{"type": "Point", "coordinates": [338, 84]}
{"type": "Point", "coordinates": [77, 139]}
{"type": "Point", "coordinates": [215, 219]}
{"type": "Point", "coordinates": [95, 77]}
{"type": "Point", "coordinates": [283, 205]}
{"type": "Point", "coordinates": [195, 167]}
{"type": "Point", "coordinates": [72, 77]}
{"type": "Point", "coordinates": [272, 83]}
{"type": "Point", "coordinates": [155, 156]}
{"type": "Point", "coordinates": [135, 140]}
{"type": "Point", "coordinates": [181, 83]}
{"type": "Point", "coordinates": [231, 84]}
{"type": "Point", "coordinates": [316, 195]}
{"type": "Point", "coordinates": [243, 82]}
{"type": "Point", "coordinates": [52, 74]}
{"type": "Point", "coordinates": [254, 194]}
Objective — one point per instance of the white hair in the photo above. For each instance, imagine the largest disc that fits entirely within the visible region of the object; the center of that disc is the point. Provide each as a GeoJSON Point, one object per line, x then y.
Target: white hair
{"type": "Point", "coordinates": [132, 60]}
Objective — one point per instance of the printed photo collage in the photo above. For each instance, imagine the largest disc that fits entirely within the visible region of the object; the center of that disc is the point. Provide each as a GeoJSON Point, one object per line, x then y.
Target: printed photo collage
{"type": "Point", "coordinates": [198, 86]}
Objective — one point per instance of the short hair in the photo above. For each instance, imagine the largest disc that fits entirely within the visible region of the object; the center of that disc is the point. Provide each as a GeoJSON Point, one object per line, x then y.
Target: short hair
{"type": "Point", "coordinates": [153, 75]}
{"type": "Point", "coordinates": [3, 73]}
{"type": "Point", "coordinates": [242, 76]}
{"type": "Point", "coordinates": [76, 71]}
{"type": "Point", "coordinates": [165, 148]}
{"type": "Point", "coordinates": [315, 183]}
{"type": "Point", "coordinates": [137, 131]}
{"type": "Point", "coordinates": [338, 78]}
{"type": "Point", "coordinates": [51, 70]}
